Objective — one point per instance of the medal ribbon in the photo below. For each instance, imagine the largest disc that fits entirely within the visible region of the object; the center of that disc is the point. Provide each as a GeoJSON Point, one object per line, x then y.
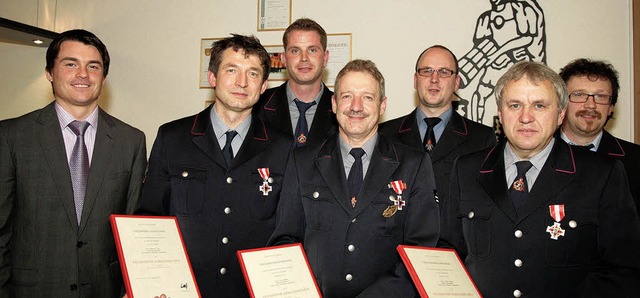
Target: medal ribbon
{"type": "Point", "coordinates": [264, 173]}
{"type": "Point", "coordinates": [398, 186]}
{"type": "Point", "coordinates": [557, 212]}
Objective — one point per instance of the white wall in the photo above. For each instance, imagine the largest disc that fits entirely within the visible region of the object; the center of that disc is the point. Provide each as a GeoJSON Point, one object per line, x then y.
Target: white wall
{"type": "Point", "coordinates": [154, 46]}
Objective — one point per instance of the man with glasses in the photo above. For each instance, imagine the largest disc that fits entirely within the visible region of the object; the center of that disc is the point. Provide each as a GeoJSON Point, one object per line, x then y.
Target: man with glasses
{"type": "Point", "coordinates": [593, 92]}
{"type": "Point", "coordinates": [434, 127]}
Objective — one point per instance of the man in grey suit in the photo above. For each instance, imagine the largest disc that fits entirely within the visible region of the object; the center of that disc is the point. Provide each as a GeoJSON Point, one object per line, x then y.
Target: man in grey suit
{"type": "Point", "coordinates": [59, 184]}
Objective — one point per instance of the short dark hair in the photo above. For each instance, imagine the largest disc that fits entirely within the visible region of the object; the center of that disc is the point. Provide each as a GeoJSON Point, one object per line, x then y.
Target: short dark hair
{"type": "Point", "coordinates": [455, 59]}
{"type": "Point", "coordinates": [249, 44]}
{"type": "Point", "coordinates": [305, 24]}
{"type": "Point", "coordinates": [82, 36]}
{"type": "Point", "coordinates": [593, 70]}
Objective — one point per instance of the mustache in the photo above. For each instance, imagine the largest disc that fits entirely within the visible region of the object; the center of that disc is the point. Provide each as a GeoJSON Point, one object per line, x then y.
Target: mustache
{"type": "Point", "coordinates": [592, 113]}
{"type": "Point", "coordinates": [352, 113]}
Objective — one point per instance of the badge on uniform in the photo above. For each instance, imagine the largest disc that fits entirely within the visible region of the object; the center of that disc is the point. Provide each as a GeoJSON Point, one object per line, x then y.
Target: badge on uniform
{"type": "Point", "coordinates": [265, 188]}
{"type": "Point", "coordinates": [398, 186]}
{"type": "Point", "coordinates": [557, 213]}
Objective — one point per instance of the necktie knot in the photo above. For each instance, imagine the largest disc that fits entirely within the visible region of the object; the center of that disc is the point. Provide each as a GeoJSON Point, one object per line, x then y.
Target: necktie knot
{"type": "Point", "coordinates": [303, 106]}
{"type": "Point", "coordinates": [230, 136]}
{"type": "Point", "coordinates": [523, 167]}
{"type": "Point", "coordinates": [432, 121]}
{"type": "Point", "coordinates": [357, 152]}
{"type": "Point", "coordinates": [79, 127]}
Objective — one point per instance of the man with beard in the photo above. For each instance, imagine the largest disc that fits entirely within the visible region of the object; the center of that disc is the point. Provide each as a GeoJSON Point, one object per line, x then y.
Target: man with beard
{"type": "Point", "coordinates": [593, 92]}
{"type": "Point", "coordinates": [301, 107]}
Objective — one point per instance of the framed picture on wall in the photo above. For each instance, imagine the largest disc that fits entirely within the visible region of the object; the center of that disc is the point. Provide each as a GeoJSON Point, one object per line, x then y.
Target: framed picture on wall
{"type": "Point", "coordinates": [274, 15]}
{"type": "Point", "coordinates": [278, 71]}
{"type": "Point", "coordinates": [205, 54]}
{"type": "Point", "coordinates": [339, 47]}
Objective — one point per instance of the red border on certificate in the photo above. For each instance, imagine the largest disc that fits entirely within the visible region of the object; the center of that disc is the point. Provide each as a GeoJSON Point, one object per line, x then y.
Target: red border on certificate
{"type": "Point", "coordinates": [241, 259]}
{"type": "Point", "coordinates": [121, 257]}
{"type": "Point", "coordinates": [414, 275]}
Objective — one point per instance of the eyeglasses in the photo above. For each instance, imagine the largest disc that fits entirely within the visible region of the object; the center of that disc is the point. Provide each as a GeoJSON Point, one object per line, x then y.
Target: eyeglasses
{"type": "Point", "coordinates": [442, 72]}
{"type": "Point", "coordinates": [579, 97]}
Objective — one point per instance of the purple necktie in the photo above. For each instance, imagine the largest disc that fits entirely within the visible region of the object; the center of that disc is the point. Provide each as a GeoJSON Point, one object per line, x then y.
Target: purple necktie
{"type": "Point", "coordinates": [79, 166]}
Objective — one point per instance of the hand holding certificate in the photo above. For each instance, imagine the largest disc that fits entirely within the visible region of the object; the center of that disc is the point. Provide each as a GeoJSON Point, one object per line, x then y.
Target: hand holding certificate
{"type": "Point", "coordinates": [437, 272]}
{"type": "Point", "coordinates": [153, 257]}
{"type": "Point", "coordinates": [279, 271]}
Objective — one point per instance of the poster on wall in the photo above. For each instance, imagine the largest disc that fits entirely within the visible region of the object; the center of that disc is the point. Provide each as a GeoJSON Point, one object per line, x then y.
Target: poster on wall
{"type": "Point", "coordinates": [274, 15]}
{"type": "Point", "coordinates": [277, 72]}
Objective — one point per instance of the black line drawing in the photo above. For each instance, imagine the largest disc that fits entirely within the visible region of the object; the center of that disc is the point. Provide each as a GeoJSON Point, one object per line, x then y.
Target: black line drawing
{"type": "Point", "coordinates": [511, 31]}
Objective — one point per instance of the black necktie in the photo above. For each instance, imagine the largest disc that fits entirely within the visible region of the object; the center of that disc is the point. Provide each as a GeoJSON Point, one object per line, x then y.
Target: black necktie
{"type": "Point", "coordinates": [355, 175]}
{"type": "Point", "coordinates": [302, 129]}
{"type": "Point", "coordinates": [227, 151]}
{"type": "Point", "coordinates": [79, 165]}
{"type": "Point", "coordinates": [519, 190]}
{"type": "Point", "coordinates": [429, 140]}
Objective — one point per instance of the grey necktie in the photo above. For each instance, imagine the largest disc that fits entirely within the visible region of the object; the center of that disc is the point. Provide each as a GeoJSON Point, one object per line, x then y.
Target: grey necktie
{"type": "Point", "coordinates": [79, 165]}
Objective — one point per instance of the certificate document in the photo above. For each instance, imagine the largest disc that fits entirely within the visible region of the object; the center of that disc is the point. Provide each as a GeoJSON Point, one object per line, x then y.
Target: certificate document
{"type": "Point", "coordinates": [437, 272]}
{"type": "Point", "coordinates": [152, 256]}
{"type": "Point", "coordinates": [278, 271]}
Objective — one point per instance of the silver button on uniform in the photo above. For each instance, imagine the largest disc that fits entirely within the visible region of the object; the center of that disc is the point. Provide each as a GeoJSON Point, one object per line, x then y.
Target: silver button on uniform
{"type": "Point", "coordinates": [518, 263]}
{"type": "Point", "coordinates": [227, 210]}
{"type": "Point", "coordinates": [349, 277]}
{"type": "Point", "coordinates": [316, 194]}
{"type": "Point", "coordinates": [351, 248]}
{"type": "Point", "coordinates": [223, 270]}
{"type": "Point", "coordinates": [185, 174]}
{"type": "Point", "coordinates": [517, 293]}
{"type": "Point", "coordinates": [229, 180]}
{"type": "Point", "coordinates": [573, 224]}
{"type": "Point", "coordinates": [471, 214]}
{"type": "Point", "coordinates": [225, 240]}
{"type": "Point", "coordinates": [270, 180]}
{"type": "Point", "coordinates": [518, 234]}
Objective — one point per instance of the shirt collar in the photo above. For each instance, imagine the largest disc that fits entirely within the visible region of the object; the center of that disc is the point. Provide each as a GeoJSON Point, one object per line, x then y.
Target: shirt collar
{"type": "Point", "coordinates": [65, 118]}
{"type": "Point", "coordinates": [291, 96]}
{"type": "Point", "coordinates": [595, 142]}
{"type": "Point", "coordinates": [537, 160]}
{"type": "Point", "coordinates": [220, 128]}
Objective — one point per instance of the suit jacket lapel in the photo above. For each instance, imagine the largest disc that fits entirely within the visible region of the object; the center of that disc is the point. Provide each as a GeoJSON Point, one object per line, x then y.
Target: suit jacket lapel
{"type": "Point", "coordinates": [52, 144]}
{"type": "Point", "coordinates": [331, 168]}
{"type": "Point", "coordinates": [276, 110]}
{"type": "Point", "coordinates": [610, 146]}
{"type": "Point", "coordinates": [205, 139]}
{"type": "Point", "coordinates": [254, 143]}
{"type": "Point", "coordinates": [323, 118]}
{"type": "Point", "coordinates": [383, 164]}
{"type": "Point", "coordinates": [492, 179]}
{"type": "Point", "coordinates": [102, 155]}
{"type": "Point", "coordinates": [409, 133]}
{"type": "Point", "coordinates": [555, 175]}
{"type": "Point", "coordinates": [455, 133]}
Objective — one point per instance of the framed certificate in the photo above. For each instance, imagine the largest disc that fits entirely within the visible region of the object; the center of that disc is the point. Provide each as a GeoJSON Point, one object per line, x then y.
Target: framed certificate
{"type": "Point", "coordinates": [339, 47]}
{"type": "Point", "coordinates": [437, 272]}
{"type": "Point", "coordinates": [274, 15]}
{"type": "Point", "coordinates": [205, 54]}
{"type": "Point", "coordinates": [152, 256]}
{"type": "Point", "coordinates": [278, 271]}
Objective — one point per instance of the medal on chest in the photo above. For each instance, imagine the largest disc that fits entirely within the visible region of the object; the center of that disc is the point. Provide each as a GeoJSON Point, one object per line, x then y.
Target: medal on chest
{"type": "Point", "coordinates": [398, 203]}
{"type": "Point", "coordinates": [557, 213]}
{"type": "Point", "coordinates": [265, 188]}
